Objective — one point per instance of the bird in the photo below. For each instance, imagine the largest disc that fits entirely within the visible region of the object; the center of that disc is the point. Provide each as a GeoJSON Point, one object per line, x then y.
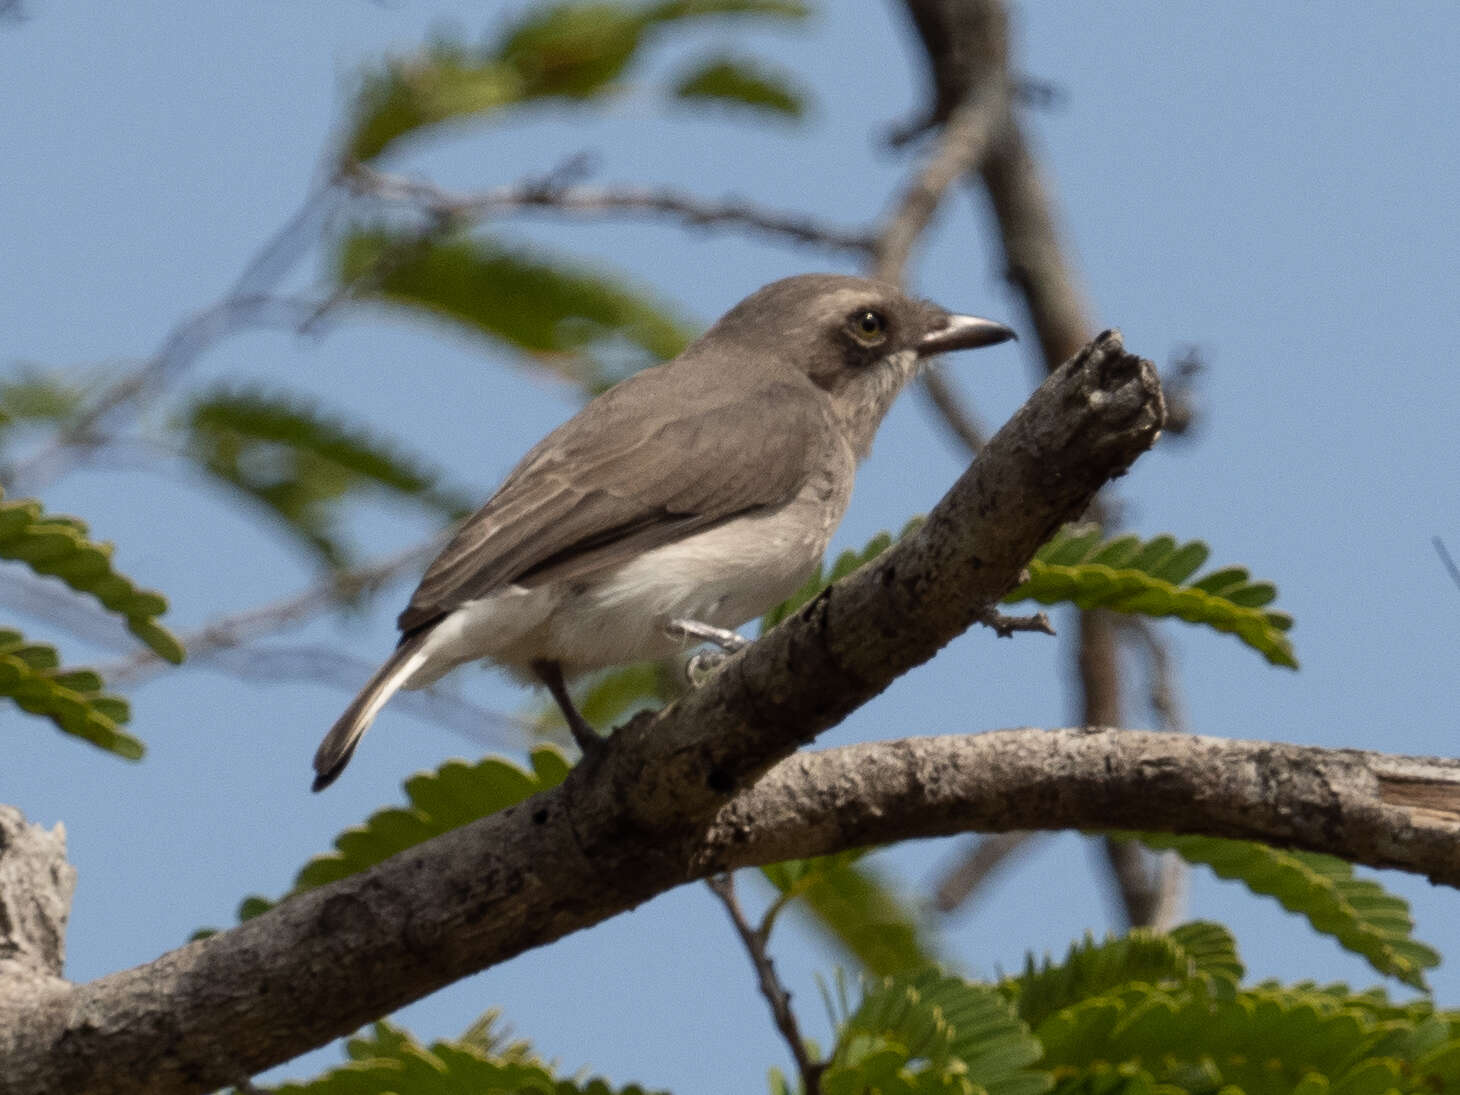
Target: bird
{"type": "Point", "coordinates": [679, 504]}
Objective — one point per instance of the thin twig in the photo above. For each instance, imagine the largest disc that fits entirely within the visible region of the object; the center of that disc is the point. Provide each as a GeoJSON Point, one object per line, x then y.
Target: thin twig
{"type": "Point", "coordinates": [723, 887]}
{"type": "Point", "coordinates": [959, 149]}
{"type": "Point", "coordinates": [977, 865]}
{"type": "Point", "coordinates": [232, 631]}
{"type": "Point", "coordinates": [553, 195]}
{"type": "Point", "coordinates": [186, 342]}
{"type": "Point", "coordinates": [1005, 626]}
{"type": "Point", "coordinates": [1446, 559]}
{"type": "Point", "coordinates": [958, 418]}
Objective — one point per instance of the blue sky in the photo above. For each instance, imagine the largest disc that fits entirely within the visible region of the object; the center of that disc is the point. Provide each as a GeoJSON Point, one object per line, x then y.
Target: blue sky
{"type": "Point", "coordinates": [1275, 183]}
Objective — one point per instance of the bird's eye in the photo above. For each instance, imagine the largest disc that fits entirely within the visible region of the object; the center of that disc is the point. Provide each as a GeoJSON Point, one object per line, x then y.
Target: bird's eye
{"type": "Point", "coordinates": [869, 326]}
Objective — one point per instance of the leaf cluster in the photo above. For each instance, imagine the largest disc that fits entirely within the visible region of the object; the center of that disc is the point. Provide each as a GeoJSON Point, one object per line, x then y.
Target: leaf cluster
{"type": "Point", "coordinates": [1153, 578]}
{"type": "Point", "coordinates": [569, 51]}
{"type": "Point", "coordinates": [31, 675]}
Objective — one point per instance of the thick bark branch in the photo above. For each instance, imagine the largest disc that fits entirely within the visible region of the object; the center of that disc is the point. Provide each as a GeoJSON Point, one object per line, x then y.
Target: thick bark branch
{"type": "Point", "coordinates": [621, 829]}
{"type": "Point", "coordinates": [1372, 808]}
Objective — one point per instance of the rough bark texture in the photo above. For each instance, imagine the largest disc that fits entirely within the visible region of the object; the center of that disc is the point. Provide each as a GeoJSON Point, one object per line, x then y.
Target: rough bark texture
{"type": "Point", "coordinates": [1373, 808]}
{"type": "Point", "coordinates": [36, 884]}
{"type": "Point", "coordinates": [618, 831]}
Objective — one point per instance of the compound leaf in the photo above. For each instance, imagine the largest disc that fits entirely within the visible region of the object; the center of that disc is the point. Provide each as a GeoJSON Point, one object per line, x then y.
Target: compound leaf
{"type": "Point", "coordinates": [1358, 913]}
{"type": "Point", "coordinates": [1151, 579]}
{"type": "Point", "coordinates": [57, 546]}
{"type": "Point", "coordinates": [31, 677]}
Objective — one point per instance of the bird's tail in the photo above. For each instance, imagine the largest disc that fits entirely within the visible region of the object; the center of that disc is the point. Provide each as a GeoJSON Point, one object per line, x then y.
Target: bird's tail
{"type": "Point", "coordinates": [339, 744]}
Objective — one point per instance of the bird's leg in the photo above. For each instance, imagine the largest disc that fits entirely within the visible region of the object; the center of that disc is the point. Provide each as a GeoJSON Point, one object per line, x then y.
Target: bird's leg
{"type": "Point", "coordinates": [702, 664]}
{"type": "Point", "coordinates": [590, 742]}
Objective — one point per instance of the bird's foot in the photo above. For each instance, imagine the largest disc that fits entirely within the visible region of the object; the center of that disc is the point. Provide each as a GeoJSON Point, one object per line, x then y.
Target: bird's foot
{"type": "Point", "coordinates": [704, 663]}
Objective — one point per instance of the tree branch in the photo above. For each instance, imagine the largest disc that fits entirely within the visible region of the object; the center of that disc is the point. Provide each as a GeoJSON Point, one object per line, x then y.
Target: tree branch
{"type": "Point", "coordinates": [648, 814]}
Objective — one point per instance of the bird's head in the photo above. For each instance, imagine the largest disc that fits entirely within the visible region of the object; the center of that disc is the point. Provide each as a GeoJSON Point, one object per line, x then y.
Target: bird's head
{"type": "Point", "coordinates": [856, 339]}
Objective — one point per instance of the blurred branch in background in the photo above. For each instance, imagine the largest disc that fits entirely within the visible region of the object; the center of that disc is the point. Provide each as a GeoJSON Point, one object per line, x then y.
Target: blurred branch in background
{"type": "Point", "coordinates": [967, 48]}
{"type": "Point", "coordinates": [556, 194]}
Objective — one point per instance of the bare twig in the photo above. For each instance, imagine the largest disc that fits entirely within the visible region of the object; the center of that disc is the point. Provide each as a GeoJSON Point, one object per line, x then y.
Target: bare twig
{"type": "Point", "coordinates": [183, 346]}
{"type": "Point", "coordinates": [723, 887]}
{"type": "Point", "coordinates": [958, 418]}
{"type": "Point", "coordinates": [959, 149]}
{"type": "Point", "coordinates": [1005, 626]}
{"type": "Point", "coordinates": [977, 865]}
{"type": "Point", "coordinates": [554, 195]}
{"type": "Point", "coordinates": [1446, 559]}
{"type": "Point", "coordinates": [232, 631]}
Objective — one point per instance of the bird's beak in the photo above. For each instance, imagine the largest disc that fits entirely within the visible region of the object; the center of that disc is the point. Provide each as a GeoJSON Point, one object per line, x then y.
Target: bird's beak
{"type": "Point", "coordinates": [964, 333]}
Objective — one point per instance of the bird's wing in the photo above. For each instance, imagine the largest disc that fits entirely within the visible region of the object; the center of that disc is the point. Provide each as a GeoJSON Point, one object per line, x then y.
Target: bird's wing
{"type": "Point", "coordinates": [615, 481]}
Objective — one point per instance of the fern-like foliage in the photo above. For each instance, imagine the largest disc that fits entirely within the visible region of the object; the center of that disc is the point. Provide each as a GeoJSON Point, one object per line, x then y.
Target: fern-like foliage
{"type": "Point", "coordinates": [741, 83]}
{"type": "Point", "coordinates": [1152, 578]}
{"type": "Point", "coordinates": [300, 463]}
{"type": "Point", "coordinates": [1357, 912]}
{"type": "Point", "coordinates": [574, 51]}
{"type": "Point", "coordinates": [1262, 1041]}
{"type": "Point", "coordinates": [579, 320]}
{"type": "Point", "coordinates": [1151, 1015]}
{"type": "Point", "coordinates": [58, 547]}
{"type": "Point", "coordinates": [926, 1032]}
{"type": "Point", "coordinates": [31, 677]}
{"type": "Point", "coordinates": [1199, 956]}
{"type": "Point", "coordinates": [849, 903]}
{"type": "Point", "coordinates": [388, 1059]}
{"type": "Point", "coordinates": [453, 795]}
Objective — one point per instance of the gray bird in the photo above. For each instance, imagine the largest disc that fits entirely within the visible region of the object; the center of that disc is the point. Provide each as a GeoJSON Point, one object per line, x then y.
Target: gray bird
{"type": "Point", "coordinates": [684, 501]}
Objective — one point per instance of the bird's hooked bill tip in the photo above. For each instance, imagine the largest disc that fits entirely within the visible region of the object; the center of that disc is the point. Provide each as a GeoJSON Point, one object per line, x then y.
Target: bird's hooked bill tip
{"type": "Point", "coordinates": [965, 333]}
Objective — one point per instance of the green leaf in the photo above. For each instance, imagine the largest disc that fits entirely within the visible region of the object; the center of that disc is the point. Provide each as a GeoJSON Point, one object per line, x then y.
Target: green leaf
{"type": "Point", "coordinates": [558, 312]}
{"type": "Point", "coordinates": [453, 795]}
{"type": "Point", "coordinates": [1199, 955]}
{"type": "Point", "coordinates": [31, 677]}
{"type": "Point", "coordinates": [1357, 912]}
{"type": "Point", "coordinates": [741, 83]}
{"type": "Point", "coordinates": [481, 1062]}
{"type": "Point", "coordinates": [854, 908]}
{"type": "Point", "coordinates": [1268, 1040]}
{"type": "Point", "coordinates": [574, 51]}
{"type": "Point", "coordinates": [926, 1032]}
{"type": "Point", "coordinates": [300, 464]}
{"type": "Point", "coordinates": [40, 396]}
{"type": "Point", "coordinates": [56, 546]}
{"type": "Point", "coordinates": [845, 563]}
{"type": "Point", "coordinates": [1146, 579]}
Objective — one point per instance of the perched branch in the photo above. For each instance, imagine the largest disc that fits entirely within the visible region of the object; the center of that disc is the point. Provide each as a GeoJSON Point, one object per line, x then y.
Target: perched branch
{"type": "Point", "coordinates": [655, 809]}
{"type": "Point", "coordinates": [554, 195]}
{"type": "Point", "coordinates": [723, 887]}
